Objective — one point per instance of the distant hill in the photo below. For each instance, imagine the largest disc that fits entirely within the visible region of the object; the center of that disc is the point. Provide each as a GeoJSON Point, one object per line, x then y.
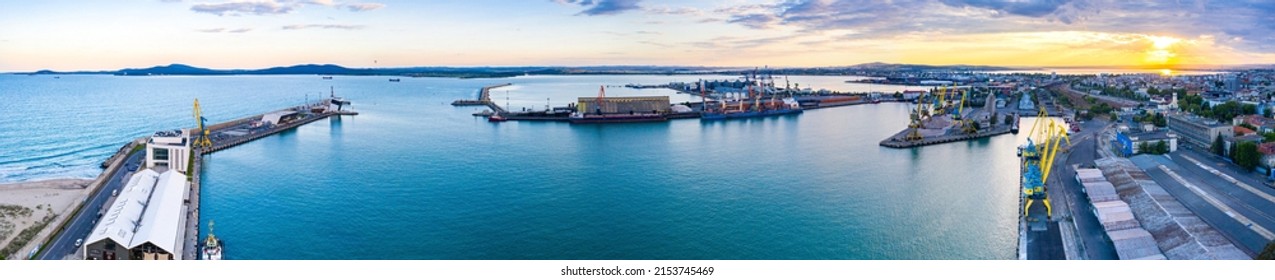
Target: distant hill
{"type": "Point", "coordinates": [496, 72]}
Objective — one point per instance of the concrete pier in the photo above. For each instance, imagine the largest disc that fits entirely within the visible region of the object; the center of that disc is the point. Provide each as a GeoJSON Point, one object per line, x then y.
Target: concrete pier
{"type": "Point", "coordinates": [191, 240]}
{"type": "Point", "coordinates": [484, 99]}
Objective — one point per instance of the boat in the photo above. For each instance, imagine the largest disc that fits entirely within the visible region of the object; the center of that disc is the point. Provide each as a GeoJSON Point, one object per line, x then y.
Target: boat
{"type": "Point", "coordinates": [212, 246]}
{"type": "Point", "coordinates": [496, 118]}
{"type": "Point", "coordinates": [394, 80]}
{"type": "Point", "coordinates": [327, 77]}
{"type": "Point", "coordinates": [1014, 127]}
{"type": "Point", "coordinates": [788, 106]}
{"type": "Point", "coordinates": [615, 118]}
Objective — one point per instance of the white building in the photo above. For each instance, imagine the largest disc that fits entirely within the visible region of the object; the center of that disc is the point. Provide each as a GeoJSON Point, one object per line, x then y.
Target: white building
{"type": "Point", "coordinates": [146, 222]}
{"type": "Point", "coordinates": [169, 149]}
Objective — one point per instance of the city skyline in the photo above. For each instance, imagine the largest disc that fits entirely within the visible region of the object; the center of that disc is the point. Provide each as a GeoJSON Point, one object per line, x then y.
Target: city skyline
{"type": "Point", "coordinates": [71, 36]}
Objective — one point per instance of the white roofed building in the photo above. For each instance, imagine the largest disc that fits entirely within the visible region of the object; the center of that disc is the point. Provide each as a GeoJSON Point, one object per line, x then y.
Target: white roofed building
{"type": "Point", "coordinates": [146, 221]}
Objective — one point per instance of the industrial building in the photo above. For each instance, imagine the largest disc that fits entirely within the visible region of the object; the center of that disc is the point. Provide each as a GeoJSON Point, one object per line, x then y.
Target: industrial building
{"type": "Point", "coordinates": [1175, 230]}
{"type": "Point", "coordinates": [1196, 130]}
{"type": "Point", "coordinates": [146, 221]}
{"type": "Point", "coordinates": [170, 149]}
{"type": "Point", "coordinates": [1127, 143]}
{"type": "Point", "coordinates": [623, 105]}
{"type": "Point", "coordinates": [1131, 241]}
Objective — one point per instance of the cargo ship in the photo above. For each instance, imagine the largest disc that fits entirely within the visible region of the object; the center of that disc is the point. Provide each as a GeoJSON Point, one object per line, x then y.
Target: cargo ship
{"type": "Point", "coordinates": [616, 118]}
{"type": "Point", "coordinates": [786, 106]}
{"type": "Point", "coordinates": [627, 109]}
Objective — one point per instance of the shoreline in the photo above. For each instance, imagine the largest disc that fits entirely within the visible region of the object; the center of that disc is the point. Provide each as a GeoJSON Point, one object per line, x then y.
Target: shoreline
{"type": "Point", "coordinates": [27, 208]}
{"type": "Point", "coordinates": [44, 182]}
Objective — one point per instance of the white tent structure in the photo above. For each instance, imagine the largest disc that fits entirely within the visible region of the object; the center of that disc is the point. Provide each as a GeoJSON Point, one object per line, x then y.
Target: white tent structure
{"type": "Point", "coordinates": [147, 219]}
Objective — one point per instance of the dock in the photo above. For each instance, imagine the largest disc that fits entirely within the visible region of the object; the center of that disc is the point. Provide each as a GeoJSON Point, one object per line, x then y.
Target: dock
{"type": "Point", "coordinates": [230, 134]}
{"type": "Point", "coordinates": [484, 99]}
{"type": "Point", "coordinates": [897, 141]}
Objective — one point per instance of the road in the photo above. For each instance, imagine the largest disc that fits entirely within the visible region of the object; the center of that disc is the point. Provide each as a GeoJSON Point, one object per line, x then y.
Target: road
{"type": "Point", "coordinates": [1083, 152]}
{"type": "Point", "coordinates": [63, 245]}
{"type": "Point", "coordinates": [1245, 215]}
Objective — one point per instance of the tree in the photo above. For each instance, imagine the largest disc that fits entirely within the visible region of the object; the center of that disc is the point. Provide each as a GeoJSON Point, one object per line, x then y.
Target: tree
{"type": "Point", "coordinates": [1268, 137]}
{"type": "Point", "coordinates": [1144, 148]}
{"type": "Point", "coordinates": [1218, 147]}
{"type": "Point", "coordinates": [1161, 147]}
{"type": "Point", "coordinates": [1268, 253]}
{"type": "Point", "coordinates": [1153, 91]}
{"type": "Point", "coordinates": [1246, 155]}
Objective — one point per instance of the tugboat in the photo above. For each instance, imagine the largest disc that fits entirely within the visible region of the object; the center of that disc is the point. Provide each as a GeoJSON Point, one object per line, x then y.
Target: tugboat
{"type": "Point", "coordinates": [1014, 128]}
{"type": "Point", "coordinates": [212, 245]}
{"type": "Point", "coordinates": [496, 118]}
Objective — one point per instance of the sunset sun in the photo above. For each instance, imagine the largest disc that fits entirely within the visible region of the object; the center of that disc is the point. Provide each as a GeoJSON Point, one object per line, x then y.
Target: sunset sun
{"type": "Point", "coordinates": [1161, 51]}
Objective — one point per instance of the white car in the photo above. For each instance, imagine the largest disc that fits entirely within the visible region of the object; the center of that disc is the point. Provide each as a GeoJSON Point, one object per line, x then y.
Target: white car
{"type": "Point", "coordinates": [78, 242]}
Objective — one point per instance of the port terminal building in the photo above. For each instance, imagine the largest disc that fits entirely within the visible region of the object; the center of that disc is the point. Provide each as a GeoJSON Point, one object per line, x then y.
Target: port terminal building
{"type": "Point", "coordinates": [1198, 131]}
{"type": "Point", "coordinates": [1127, 142]}
{"type": "Point", "coordinates": [145, 222]}
{"type": "Point", "coordinates": [623, 105]}
{"type": "Point", "coordinates": [169, 149]}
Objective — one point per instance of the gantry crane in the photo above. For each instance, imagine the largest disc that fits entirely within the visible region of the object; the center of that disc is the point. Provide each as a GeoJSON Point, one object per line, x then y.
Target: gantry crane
{"type": "Point", "coordinates": [1038, 162]}
{"type": "Point", "coordinates": [201, 132]}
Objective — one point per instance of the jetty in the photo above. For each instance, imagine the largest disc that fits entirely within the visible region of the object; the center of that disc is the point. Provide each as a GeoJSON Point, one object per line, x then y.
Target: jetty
{"type": "Point", "coordinates": [897, 141]}
{"type": "Point", "coordinates": [484, 99]}
{"type": "Point", "coordinates": [243, 130]}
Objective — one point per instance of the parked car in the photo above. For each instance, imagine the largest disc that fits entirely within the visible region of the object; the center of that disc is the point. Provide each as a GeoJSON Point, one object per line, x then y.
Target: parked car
{"type": "Point", "coordinates": [78, 242]}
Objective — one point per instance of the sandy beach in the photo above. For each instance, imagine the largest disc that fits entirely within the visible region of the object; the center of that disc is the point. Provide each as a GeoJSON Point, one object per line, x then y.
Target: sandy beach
{"type": "Point", "coordinates": [26, 204]}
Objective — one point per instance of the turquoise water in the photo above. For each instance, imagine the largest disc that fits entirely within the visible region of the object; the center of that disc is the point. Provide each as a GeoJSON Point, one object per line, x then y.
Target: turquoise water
{"type": "Point", "coordinates": [415, 178]}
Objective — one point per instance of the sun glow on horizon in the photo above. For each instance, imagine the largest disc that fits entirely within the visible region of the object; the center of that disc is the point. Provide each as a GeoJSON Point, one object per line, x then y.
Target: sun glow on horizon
{"type": "Point", "coordinates": [1162, 50]}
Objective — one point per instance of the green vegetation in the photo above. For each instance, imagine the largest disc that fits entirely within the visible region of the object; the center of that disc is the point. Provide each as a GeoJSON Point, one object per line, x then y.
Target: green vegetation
{"type": "Point", "coordinates": [1100, 109]}
{"type": "Point", "coordinates": [1218, 147]}
{"type": "Point", "coordinates": [1121, 92]}
{"type": "Point", "coordinates": [1222, 112]}
{"type": "Point", "coordinates": [7, 214]}
{"type": "Point", "coordinates": [1159, 148]}
{"type": "Point", "coordinates": [136, 148]}
{"type": "Point", "coordinates": [1246, 155]}
{"type": "Point", "coordinates": [1268, 253]}
{"type": "Point", "coordinates": [1156, 118]}
{"type": "Point", "coordinates": [26, 235]}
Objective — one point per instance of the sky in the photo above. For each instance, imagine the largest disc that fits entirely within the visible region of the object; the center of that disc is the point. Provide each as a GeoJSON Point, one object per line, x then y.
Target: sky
{"type": "Point", "coordinates": [248, 34]}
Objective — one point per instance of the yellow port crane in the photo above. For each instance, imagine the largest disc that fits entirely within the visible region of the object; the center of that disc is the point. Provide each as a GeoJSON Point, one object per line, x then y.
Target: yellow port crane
{"type": "Point", "coordinates": [1053, 135]}
{"type": "Point", "coordinates": [201, 138]}
{"type": "Point", "coordinates": [918, 115]}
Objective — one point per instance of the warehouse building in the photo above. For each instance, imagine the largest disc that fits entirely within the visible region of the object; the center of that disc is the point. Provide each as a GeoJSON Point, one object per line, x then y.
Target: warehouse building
{"type": "Point", "coordinates": [146, 221]}
{"type": "Point", "coordinates": [623, 105]}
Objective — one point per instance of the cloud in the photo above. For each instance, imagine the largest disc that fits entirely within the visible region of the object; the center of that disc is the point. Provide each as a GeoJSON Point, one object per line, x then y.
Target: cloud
{"type": "Point", "coordinates": [683, 11]}
{"type": "Point", "coordinates": [360, 7]}
{"type": "Point", "coordinates": [603, 7]}
{"type": "Point", "coordinates": [275, 7]}
{"type": "Point", "coordinates": [220, 30]}
{"type": "Point", "coordinates": [323, 26]}
{"type": "Point", "coordinates": [242, 8]}
{"type": "Point", "coordinates": [875, 19]}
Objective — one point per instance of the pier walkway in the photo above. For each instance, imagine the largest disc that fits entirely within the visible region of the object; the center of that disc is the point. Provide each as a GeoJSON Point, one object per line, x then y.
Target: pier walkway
{"type": "Point", "coordinates": [226, 135]}
{"type": "Point", "coordinates": [484, 99]}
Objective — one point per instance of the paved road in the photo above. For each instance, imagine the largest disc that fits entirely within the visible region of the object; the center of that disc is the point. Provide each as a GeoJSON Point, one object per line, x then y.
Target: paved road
{"type": "Point", "coordinates": [1096, 245]}
{"type": "Point", "coordinates": [1239, 201]}
{"type": "Point", "coordinates": [82, 224]}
